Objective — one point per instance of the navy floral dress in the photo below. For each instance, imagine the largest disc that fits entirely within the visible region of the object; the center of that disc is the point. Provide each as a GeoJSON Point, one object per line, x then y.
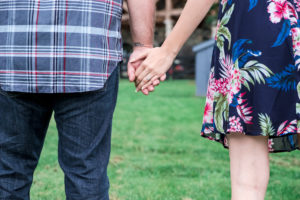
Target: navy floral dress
{"type": "Point", "coordinates": [254, 84]}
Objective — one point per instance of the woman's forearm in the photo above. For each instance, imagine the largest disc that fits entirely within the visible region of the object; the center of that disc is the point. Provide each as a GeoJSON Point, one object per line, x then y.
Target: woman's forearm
{"type": "Point", "coordinates": [192, 14]}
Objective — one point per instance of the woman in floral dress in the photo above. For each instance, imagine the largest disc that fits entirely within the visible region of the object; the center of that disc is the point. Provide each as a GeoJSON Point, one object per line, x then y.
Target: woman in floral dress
{"type": "Point", "coordinates": [253, 97]}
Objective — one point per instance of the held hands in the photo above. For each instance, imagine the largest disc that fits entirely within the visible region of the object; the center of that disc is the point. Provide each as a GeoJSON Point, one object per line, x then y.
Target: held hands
{"type": "Point", "coordinates": [154, 63]}
{"type": "Point", "coordinates": [134, 65]}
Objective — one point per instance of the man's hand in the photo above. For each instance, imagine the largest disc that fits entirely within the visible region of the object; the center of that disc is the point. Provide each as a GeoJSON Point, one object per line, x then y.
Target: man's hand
{"type": "Point", "coordinates": [133, 66]}
{"type": "Point", "coordinates": [156, 62]}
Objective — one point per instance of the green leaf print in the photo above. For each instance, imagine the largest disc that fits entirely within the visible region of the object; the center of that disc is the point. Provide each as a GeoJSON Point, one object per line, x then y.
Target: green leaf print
{"type": "Point", "coordinates": [220, 45]}
{"type": "Point", "coordinates": [253, 71]}
{"type": "Point", "coordinates": [246, 84]}
{"type": "Point", "coordinates": [297, 108]}
{"type": "Point", "coordinates": [225, 19]}
{"type": "Point", "coordinates": [298, 89]}
{"type": "Point", "coordinates": [223, 32]}
{"type": "Point", "coordinates": [220, 110]}
{"type": "Point", "coordinates": [266, 125]}
{"type": "Point", "coordinates": [224, 6]}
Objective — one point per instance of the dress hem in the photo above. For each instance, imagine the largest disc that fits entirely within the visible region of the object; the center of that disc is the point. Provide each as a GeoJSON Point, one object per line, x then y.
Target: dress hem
{"type": "Point", "coordinates": [287, 147]}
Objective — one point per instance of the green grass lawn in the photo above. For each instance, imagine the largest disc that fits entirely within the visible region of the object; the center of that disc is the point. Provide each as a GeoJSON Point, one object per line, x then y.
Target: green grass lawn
{"type": "Point", "coordinates": [157, 153]}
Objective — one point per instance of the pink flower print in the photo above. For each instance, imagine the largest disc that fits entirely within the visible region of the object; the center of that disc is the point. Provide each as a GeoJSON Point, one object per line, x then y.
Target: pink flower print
{"type": "Point", "coordinates": [235, 125]}
{"type": "Point", "coordinates": [296, 39]}
{"type": "Point", "coordinates": [270, 144]}
{"type": "Point", "coordinates": [208, 130]}
{"type": "Point", "coordinates": [293, 15]}
{"type": "Point", "coordinates": [295, 33]}
{"type": "Point", "coordinates": [208, 112]}
{"type": "Point", "coordinates": [244, 112]}
{"type": "Point", "coordinates": [296, 45]}
{"type": "Point", "coordinates": [286, 128]}
{"type": "Point", "coordinates": [233, 120]}
{"type": "Point", "coordinates": [232, 75]}
{"type": "Point", "coordinates": [217, 30]}
{"type": "Point", "coordinates": [221, 86]}
{"type": "Point", "coordinates": [297, 2]}
{"type": "Point", "coordinates": [211, 86]}
{"type": "Point", "coordinates": [236, 84]}
{"type": "Point", "coordinates": [277, 9]}
{"type": "Point", "coordinates": [208, 108]}
{"type": "Point", "coordinates": [210, 92]}
{"type": "Point", "coordinates": [223, 2]}
{"type": "Point", "coordinates": [227, 67]}
{"type": "Point", "coordinates": [210, 138]}
{"type": "Point", "coordinates": [240, 98]}
{"type": "Point", "coordinates": [230, 97]}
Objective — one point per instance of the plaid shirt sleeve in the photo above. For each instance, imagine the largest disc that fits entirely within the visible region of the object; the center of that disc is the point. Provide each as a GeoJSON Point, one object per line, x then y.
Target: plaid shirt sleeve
{"type": "Point", "coordinates": [59, 46]}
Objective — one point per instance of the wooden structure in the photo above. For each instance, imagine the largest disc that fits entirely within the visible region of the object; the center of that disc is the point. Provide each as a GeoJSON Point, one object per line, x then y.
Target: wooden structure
{"type": "Point", "coordinates": [167, 13]}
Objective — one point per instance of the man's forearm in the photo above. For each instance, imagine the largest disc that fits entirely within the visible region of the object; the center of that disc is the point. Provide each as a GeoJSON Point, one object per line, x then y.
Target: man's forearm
{"type": "Point", "coordinates": [142, 16]}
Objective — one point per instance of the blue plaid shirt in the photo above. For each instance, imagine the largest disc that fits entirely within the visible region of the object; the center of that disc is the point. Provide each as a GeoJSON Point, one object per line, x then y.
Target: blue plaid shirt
{"type": "Point", "coordinates": [58, 46]}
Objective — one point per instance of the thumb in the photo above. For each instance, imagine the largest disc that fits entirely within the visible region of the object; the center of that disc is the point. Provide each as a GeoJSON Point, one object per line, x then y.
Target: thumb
{"type": "Point", "coordinates": [131, 72]}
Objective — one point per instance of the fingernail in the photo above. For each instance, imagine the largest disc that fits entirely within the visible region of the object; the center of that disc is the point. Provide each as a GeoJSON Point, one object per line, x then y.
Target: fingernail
{"type": "Point", "coordinates": [143, 88]}
{"type": "Point", "coordinates": [136, 91]}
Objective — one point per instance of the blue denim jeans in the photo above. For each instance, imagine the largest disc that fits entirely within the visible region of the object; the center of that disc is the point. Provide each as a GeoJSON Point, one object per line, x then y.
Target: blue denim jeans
{"type": "Point", "coordinates": [84, 122]}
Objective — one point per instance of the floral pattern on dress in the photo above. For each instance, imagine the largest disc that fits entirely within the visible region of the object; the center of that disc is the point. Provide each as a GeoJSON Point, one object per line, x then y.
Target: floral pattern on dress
{"type": "Point", "coordinates": [283, 10]}
{"type": "Point", "coordinates": [242, 71]}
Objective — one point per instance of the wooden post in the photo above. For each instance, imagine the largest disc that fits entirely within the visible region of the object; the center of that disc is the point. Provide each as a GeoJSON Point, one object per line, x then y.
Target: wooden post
{"type": "Point", "coordinates": [168, 17]}
{"type": "Point", "coordinates": [162, 16]}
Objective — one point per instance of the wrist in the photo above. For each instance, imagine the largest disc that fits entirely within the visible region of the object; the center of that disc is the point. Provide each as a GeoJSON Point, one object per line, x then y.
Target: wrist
{"type": "Point", "coordinates": [171, 50]}
{"type": "Point", "coordinates": [141, 45]}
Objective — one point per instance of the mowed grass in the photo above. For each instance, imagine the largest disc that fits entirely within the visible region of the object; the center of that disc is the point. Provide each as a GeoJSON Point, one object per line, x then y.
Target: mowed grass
{"type": "Point", "coordinates": [157, 153]}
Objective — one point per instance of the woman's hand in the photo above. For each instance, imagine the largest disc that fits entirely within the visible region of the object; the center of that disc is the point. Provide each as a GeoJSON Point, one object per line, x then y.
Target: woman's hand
{"type": "Point", "coordinates": [156, 64]}
{"type": "Point", "coordinates": [133, 66]}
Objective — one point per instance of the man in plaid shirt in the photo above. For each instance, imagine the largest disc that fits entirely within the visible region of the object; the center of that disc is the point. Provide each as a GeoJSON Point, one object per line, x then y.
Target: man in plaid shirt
{"type": "Point", "coordinates": [62, 56]}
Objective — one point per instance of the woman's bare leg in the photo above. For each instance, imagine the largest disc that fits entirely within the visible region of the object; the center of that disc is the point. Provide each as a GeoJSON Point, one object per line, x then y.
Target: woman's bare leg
{"type": "Point", "coordinates": [249, 166]}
